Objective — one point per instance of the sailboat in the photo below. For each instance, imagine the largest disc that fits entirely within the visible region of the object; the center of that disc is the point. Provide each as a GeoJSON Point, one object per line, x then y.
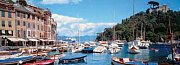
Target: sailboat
{"type": "Point", "coordinates": [174, 57]}
{"type": "Point", "coordinates": [133, 49]}
{"type": "Point", "coordinates": [114, 47]}
{"type": "Point", "coordinates": [77, 47]}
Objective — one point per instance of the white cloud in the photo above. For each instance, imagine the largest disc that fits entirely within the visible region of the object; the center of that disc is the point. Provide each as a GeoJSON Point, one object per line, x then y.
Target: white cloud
{"type": "Point", "coordinates": [69, 26]}
{"type": "Point", "coordinates": [60, 1]}
{"type": "Point", "coordinates": [66, 19]}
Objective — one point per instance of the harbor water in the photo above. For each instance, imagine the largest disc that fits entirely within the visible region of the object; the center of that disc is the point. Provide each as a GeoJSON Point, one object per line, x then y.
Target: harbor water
{"type": "Point", "coordinates": [152, 55]}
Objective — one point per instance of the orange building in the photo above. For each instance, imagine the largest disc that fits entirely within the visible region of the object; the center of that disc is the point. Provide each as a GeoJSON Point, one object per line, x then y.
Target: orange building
{"type": "Point", "coordinates": [21, 22]}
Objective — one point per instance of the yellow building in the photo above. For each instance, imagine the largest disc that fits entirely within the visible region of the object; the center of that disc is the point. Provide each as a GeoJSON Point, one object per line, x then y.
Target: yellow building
{"type": "Point", "coordinates": [21, 22]}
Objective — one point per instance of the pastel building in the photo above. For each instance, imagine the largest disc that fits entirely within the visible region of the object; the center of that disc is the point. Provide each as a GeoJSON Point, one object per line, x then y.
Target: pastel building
{"type": "Point", "coordinates": [25, 24]}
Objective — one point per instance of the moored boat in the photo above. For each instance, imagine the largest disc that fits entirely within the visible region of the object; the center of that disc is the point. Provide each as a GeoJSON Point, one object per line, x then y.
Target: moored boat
{"type": "Point", "coordinates": [72, 58]}
{"type": "Point", "coordinates": [128, 61]}
{"type": "Point", "coordinates": [114, 48]}
{"type": "Point", "coordinates": [88, 50]}
{"type": "Point", "coordinates": [17, 60]}
{"type": "Point", "coordinates": [121, 61]}
{"type": "Point", "coordinates": [133, 49]}
{"type": "Point", "coordinates": [42, 62]}
{"type": "Point", "coordinates": [99, 49]}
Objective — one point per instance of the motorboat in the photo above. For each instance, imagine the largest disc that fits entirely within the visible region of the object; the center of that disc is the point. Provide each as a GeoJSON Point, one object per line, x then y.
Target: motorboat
{"type": "Point", "coordinates": [121, 61]}
{"type": "Point", "coordinates": [133, 49]}
{"type": "Point", "coordinates": [99, 49]}
{"type": "Point", "coordinates": [72, 58]}
{"type": "Point", "coordinates": [42, 62]}
{"type": "Point", "coordinates": [128, 61]}
{"type": "Point", "coordinates": [88, 50]}
{"type": "Point", "coordinates": [16, 60]}
{"type": "Point", "coordinates": [76, 48]}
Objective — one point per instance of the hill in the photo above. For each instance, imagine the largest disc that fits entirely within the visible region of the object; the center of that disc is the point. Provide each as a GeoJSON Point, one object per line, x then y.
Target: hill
{"type": "Point", "coordinates": [153, 26]}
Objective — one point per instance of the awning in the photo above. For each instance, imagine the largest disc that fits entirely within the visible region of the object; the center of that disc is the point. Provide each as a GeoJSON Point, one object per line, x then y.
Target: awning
{"type": "Point", "coordinates": [51, 40]}
{"type": "Point", "coordinates": [43, 40]}
{"type": "Point", "coordinates": [13, 39]}
{"type": "Point", "coordinates": [33, 40]}
{"type": "Point", "coordinates": [16, 39]}
{"type": "Point", "coordinates": [20, 39]}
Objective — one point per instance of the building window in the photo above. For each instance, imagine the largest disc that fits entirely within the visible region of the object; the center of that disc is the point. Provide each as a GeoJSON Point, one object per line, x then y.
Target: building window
{"type": "Point", "coordinates": [24, 15]}
{"type": "Point", "coordinates": [10, 32]}
{"type": "Point", "coordinates": [19, 22]}
{"type": "Point", "coordinates": [33, 17]}
{"type": "Point", "coordinates": [29, 25]}
{"type": "Point", "coordinates": [2, 14]}
{"type": "Point", "coordinates": [38, 27]}
{"type": "Point", "coordinates": [24, 34]}
{"type": "Point", "coordinates": [18, 33]}
{"type": "Point", "coordinates": [9, 23]}
{"type": "Point", "coordinates": [41, 28]}
{"type": "Point", "coordinates": [28, 16]}
{"type": "Point", "coordinates": [3, 32]}
{"type": "Point", "coordinates": [9, 15]}
{"type": "Point", "coordinates": [24, 23]}
{"type": "Point", "coordinates": [33, 33]}
{"type": "Point", "coordinates": [28, 33]}
{"type": "Point", "coordinates": [3, 23]}
{"type": "Point", "coordinates": [34, 26]}
{"type": "Point", "coordinates": [18, 14]}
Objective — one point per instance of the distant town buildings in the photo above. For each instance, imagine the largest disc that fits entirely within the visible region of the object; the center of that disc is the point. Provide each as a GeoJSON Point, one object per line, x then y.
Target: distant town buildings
{"type": "Point", "coordinates": [23, 22]}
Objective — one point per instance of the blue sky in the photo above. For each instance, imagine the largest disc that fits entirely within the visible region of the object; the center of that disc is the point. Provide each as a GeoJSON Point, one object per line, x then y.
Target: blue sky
{"type": "Point", "coordinates": [92, 16]}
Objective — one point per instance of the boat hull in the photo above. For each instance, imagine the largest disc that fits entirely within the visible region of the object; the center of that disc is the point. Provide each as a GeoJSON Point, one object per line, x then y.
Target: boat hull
{"type": "Point", "coordinates": [16, 60]}
{"type": "Point", "coordinates": [43, 62]}
{"type": "Point", "coordinates": [72, 59]}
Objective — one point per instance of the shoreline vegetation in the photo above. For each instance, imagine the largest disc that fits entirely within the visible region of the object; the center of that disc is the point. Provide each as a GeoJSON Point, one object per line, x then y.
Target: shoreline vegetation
{"type": "Point", "coordinates": [151, 26]}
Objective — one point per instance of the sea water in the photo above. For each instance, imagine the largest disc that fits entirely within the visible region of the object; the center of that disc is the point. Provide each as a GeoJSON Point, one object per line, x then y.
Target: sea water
{"type": "Point", "coordinates": [157, 55]}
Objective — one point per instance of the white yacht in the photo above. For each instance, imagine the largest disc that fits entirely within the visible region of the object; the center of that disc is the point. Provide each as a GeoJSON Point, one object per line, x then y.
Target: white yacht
{"type": "Point", "coordinates": [99, 49]}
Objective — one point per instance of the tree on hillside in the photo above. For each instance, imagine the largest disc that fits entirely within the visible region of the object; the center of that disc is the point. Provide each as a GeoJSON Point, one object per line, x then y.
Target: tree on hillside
{"type": "Point", "coordinates": [153, 4]}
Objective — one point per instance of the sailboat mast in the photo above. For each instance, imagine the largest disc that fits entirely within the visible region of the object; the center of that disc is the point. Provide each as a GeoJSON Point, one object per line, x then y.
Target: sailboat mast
{"type": "Point", "coordinates": [114, 29]}
{"type": "Point", "coordinates": [171, 34]}
{"type": "Point", "coordinates": [78, 36]}
{"type": "Point", "coordinates": [141, 31]}
{"type": "Point", "coordinates": [78, 32]}
{"type": "Point", "coordinates": [133, 21]}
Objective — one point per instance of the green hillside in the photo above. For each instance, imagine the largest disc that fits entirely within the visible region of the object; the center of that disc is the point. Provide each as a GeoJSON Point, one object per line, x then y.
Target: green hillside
{"type": "Point", "coordinates": [155, 26]}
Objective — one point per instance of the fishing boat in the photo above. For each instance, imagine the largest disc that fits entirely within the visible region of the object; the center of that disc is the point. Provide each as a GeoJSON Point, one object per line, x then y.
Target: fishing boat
{"type": "Point", "coordinates": [133, 49]}
{"type": "Point", "coordinates": [17, 60]}
{"type": "Point", "coordinates": [99, 49]}
{"type": "Point", "coordinates": [72, 58]}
